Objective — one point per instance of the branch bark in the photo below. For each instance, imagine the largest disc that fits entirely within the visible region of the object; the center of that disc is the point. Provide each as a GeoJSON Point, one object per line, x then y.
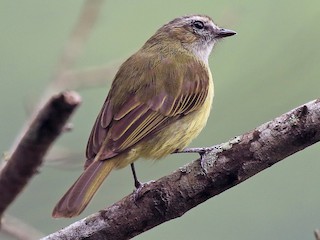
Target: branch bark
{"type": "Point", "coordinates": [220, 169]}
{"type": "Point", "coordinates": [28, 155]}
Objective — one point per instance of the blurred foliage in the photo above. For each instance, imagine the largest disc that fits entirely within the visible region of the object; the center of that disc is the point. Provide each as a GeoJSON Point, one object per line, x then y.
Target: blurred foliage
{"type": "Point", "coordinates": [268, 68]}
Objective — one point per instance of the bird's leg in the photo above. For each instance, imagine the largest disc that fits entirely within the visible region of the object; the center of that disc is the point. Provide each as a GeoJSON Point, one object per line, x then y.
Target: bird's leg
{"type": "Point", "coordinates": [202, 151]}
{"type": "Point", "coordinates": [137, 184]}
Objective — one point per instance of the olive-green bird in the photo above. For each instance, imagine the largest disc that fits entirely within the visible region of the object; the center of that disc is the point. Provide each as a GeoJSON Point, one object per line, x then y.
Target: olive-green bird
{"type": "Point", "coordinates": [159, 101]}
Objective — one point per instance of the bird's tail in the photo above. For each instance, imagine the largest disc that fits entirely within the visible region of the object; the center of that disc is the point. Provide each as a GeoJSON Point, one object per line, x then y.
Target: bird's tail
{"type": "Point", "coordinates": [81, 192]}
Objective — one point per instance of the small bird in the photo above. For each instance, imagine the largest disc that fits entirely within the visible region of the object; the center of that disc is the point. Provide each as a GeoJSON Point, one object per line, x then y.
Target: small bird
{"type": "Point", "coordinates": [159, 101]}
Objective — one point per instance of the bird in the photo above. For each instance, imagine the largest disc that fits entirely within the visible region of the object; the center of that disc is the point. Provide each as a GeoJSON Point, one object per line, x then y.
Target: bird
{"type": "Point", "coordinates": [159, 101]}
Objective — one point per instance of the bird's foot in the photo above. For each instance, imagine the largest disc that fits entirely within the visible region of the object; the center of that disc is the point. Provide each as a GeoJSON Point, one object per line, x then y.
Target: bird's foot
{"type": "Point", "coordinates": [202, 151]}
{"type": "Point", "coordinates": [137, 183]}
{"type": "Point", "coordinates": [138, 192]}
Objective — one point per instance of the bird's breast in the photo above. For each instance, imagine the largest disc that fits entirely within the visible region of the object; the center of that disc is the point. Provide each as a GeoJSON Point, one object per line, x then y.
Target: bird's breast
{"type": "Point", "coordinates": [180, 133]}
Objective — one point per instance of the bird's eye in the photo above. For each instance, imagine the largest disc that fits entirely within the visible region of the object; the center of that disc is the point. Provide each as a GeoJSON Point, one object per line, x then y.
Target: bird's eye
{"type": "Point", "coordinates": [198, 24]}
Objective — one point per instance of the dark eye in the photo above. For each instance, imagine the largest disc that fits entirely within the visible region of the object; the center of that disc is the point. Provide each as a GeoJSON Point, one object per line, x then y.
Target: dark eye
{"type": "Point", "coordinates": [198, 24]}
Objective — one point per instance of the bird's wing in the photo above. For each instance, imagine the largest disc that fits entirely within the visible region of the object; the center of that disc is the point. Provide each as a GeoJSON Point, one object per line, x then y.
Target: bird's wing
{"type": "Point", "coordinates": [147, 107]}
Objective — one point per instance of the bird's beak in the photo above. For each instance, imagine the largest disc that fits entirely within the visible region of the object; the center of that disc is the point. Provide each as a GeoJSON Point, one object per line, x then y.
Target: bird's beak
{"type": "Point", "coordinates": [222, 33]}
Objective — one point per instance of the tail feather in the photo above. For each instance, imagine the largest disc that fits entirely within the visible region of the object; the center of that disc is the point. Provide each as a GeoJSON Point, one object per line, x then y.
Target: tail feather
{"type": "Point", "coordinates": [81, 192]}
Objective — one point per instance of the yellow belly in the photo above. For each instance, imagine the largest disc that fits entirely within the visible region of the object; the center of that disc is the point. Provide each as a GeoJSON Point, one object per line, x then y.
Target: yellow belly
{"type": "Point", "coordinates": [179, 135]}
{"type": "Point", "coordinates": [176, 136]}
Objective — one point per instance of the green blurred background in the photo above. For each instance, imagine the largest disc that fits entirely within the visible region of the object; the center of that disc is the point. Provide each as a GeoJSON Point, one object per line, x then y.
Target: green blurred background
{"type": "Point", "coordinates": [268, 68]}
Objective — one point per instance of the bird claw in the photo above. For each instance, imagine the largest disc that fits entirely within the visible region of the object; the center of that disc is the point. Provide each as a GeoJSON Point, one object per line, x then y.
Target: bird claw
{"type": "Point", "coordinates": [202, 160]}
{"type": "Point", "coordinates": [137, 183]}
{"type": "Point", "coordinates": [138, 193]}
{"type": "Point", "coordinates": [203, 151]}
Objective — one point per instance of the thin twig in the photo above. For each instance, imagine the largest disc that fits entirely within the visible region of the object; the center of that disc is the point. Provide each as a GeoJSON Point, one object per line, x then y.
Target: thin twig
{"type": "Point", "coordinates": [28, 155]}
{"type": "Point", "coordinates": [223, 167]}
{"type": "Point", "coordinates": [13, 180]}
{"type": "Point", "coordinates": [19, 230]}
{"type": "Point", "coordinates": [70, 54]}
{"type": "Point", "coordinates": [317, 234]}
{"type": "Point", "coordinates": [77, 40]}
{"type": "Point", "coordinates": [90, 77]}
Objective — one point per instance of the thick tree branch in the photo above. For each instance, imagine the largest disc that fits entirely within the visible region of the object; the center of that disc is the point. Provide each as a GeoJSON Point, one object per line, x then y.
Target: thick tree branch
{"type": "Point", "coordinates": [71, 53]}
{"type": "Point", "coordinates": [222, 168]}
{"type": "Point", "coordinates": [28, 155]}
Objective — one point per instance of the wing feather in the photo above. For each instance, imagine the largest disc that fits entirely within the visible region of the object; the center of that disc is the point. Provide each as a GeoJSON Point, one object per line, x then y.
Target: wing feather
{"type": "Point", "coordinates": [148, 108]}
